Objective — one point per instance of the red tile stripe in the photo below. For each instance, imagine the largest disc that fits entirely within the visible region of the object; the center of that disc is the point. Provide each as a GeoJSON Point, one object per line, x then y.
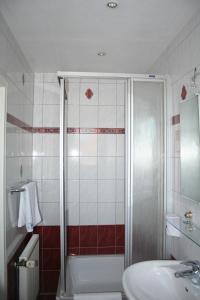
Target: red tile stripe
{"type": "Point", "coordinates": [76, 130]}
{"type": "Point", "coordinates": [17, 122]}
{"type": "Point", "coordinates": [46, 130]}
{"type": "Point", "coordinates": [176, 119]}
{"type": "Point", "coordinates": [70, 130]}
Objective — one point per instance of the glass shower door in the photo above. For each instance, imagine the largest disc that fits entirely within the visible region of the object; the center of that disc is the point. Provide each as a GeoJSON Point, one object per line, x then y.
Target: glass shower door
{"type": "Point", "coordinates": [147, 170]}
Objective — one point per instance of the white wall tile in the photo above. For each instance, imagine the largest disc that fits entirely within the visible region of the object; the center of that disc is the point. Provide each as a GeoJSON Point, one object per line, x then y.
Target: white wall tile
{"type": "Point", "coordinates": [120, 144]}
{"type": "Point", "coordinates": [73, 93]}
{"type": "Point", "coordinates": [73, 167]}
{"type": "Point", "coordinates": [120, 168]}
{"type": "Point", "coordinates": [50, 191]}
{"type": "Point", "coordinates": [120, 93]}
{"type": "Point", "coordinates": [88, 145]}
{"type": "Point", "coordinates": [83, 98]}
{"type": "Point", "coordinates": [73, 191]}
{"type": "Point", "coordinates": [51, 93]}
{"type": "Point", "coordinates": [72, 142]}
{"type": "Point", "coordinates": [88, 168]}
{"type": "Point", "coordinates": [120, 190]}
{"type": "Point", "coordinates": [106, 213]}
{"type": "Point", "coordinates": [88, 116]}
{"type": "Point", "coordinates": [119, 213]}
{"type": "Point", "coordinates": [107, 117]}
{"type": "Point", "coordinates": [50, 213]}
{"type": "Point", "coordinates": [106, 167]}
{"type": "Point", "coordinates": [120, 117]}
{"type": "Point", "coordinates": [106, 191]}
{"type": "Point", "coordinates": [38, 144]}
{"type": "Point", "coordinates": [73, 115]}
{"type": "Point", "coordinates": [51, 144]}
{"type": "Point", "coordinates": [88, 213]}
{"type": "Point", "coordinates": [26, 163]}
{"type": "Point", "coordinates": [72, 213]}
{"type": "Point", "coordinates": [37, 167]}
{"type": "Point", "coordinates": [37, 115]}
{"type": "Point", "coordinates": [106, 145]}
{"type": "Point", "coordinates": [38, 93]}
{"type": "Point", "coordinates": [88, 191]}
{"type": "Point", "coordinates": [50, 168]}
{"type": "Point", "coordinates": [51, 116]}
{"type": "Point", "coordinates": [107, 94]}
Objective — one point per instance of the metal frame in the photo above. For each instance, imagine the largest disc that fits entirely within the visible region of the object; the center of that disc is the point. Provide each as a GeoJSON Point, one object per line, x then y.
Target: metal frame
{"type": "Point", "coordinates": [63, 239]}
{"type": "Point", "coordinates": [3, 256]}
{"type": "Point", "coordinates": [129, 109]}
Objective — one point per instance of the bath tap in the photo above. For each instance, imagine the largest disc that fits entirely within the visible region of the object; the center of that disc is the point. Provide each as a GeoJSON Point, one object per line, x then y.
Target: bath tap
{"type": "Point", "coordinates": [193, 274]}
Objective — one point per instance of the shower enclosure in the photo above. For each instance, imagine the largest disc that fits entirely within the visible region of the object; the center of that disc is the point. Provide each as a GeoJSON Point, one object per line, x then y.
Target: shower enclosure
{"type": "Point", "coordinates": [112, 177]}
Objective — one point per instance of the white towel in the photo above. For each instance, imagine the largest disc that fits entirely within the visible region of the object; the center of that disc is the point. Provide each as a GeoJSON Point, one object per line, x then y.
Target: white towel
{"type": "Point", "coordinates": [170, 229]}
{"type": "Point", "coordinates": [29, 214]}
{"type": "Point", "coordinates": [98, 296]}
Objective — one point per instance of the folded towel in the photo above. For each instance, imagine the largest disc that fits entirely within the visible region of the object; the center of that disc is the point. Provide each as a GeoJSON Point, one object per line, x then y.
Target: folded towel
{"type": "Point", "coordinates": [29, 214]}
{"type": "Point", "coordinates": [170, 229]}
{"type": "Point", "coordinates": [98, 296]}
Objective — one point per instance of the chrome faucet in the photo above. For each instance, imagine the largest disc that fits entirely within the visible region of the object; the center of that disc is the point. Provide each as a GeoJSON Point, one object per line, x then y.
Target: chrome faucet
{"type": "Point", "coordinates": [193, 273]}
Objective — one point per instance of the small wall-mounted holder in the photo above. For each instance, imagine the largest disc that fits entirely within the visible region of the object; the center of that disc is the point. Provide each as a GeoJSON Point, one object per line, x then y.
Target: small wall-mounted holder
{"type": "Point", "coordinates": [194, 85]}
{"type": "Point", "coordinates": [188, 220]}
{"type": "Point", "coordinates": [188, 214]}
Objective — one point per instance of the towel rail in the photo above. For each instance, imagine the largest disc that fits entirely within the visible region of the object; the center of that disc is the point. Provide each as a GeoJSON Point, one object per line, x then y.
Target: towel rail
{"type": "Point", "coordinates": [19, 188]}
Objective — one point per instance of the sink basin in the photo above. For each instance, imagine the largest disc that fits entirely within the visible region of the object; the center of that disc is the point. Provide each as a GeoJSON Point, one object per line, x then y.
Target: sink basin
{"type": "Point", "coordinates": [155, 280]}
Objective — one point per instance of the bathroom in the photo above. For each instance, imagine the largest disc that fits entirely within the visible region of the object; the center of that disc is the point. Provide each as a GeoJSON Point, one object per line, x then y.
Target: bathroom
{"type": "Point", "coordinates": [99, 114]}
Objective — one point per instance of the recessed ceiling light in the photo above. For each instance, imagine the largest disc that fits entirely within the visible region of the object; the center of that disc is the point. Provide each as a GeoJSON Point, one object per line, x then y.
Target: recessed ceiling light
{"type": "Point", "coordinates": [112, 4]}
{"type": "Point", "coordinates": [101, 53]}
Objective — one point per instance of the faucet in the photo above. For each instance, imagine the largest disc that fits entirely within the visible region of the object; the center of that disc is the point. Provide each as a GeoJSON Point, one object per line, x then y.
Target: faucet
{"type": "Point", "coordinates": [193, 273]}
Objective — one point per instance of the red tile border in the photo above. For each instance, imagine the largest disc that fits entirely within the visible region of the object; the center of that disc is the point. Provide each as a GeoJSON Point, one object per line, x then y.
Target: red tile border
{"type": "Point", "coordinates": [49, 281]}
{"type": "Point", "coordinates": [73, 236]}
{"type": "Point", "coordinates": [17, 122]}
{"type": "Point", "coordinates": [81, 240]}
{"type": "Point", "coordinates": [51, 259]}
{"type": "Point", "coordinates": [70, 130]}
{"type": "Point", "coordinates": [89, 251]}
{"type": "Point", "coordinates": [175, 119]}
{"type": "Point", "coordinates": [51, 237]}
{"type": "Point", "coordinates": [46, 130]}
{"type": "Point", "coordinates": [88, 236]}
{"type": "Point", "coordinates": [120, 235]}
{"type": "Point", "coordinates": [106, 250]}
{"type": "Point", "coordinates": [73, 251]}
{"type": "Point", "coordinates": [106, 235]}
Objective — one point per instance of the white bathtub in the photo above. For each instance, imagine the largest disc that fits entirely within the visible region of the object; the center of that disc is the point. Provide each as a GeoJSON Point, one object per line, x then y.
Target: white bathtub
{"type": "Point", "coordinates": [94, 274]}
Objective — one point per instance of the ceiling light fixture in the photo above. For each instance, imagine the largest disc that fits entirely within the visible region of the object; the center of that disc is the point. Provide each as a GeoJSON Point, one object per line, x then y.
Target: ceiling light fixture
{"type": "Point", "coordinates": [112, 4]}
{"type": "Point", "coordinates": [101, 53]}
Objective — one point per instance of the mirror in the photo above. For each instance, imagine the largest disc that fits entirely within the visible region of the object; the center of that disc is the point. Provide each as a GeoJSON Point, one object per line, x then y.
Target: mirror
{"type": "Point", "coordinates": [190, 148]}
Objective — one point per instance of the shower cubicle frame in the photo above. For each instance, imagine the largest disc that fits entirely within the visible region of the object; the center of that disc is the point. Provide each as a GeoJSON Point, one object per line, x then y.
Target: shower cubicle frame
{"type": "Point", "coordinates": [129, 138]}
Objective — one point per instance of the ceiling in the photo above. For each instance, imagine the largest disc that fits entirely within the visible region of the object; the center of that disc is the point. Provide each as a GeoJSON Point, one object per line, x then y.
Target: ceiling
{"type": "Point", "coordinates": [67, 34]}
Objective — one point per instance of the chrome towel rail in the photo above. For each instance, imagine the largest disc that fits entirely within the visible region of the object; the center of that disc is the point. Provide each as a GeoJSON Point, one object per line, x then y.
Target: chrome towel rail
{"type": "Point", "coordinates": [19, 188]}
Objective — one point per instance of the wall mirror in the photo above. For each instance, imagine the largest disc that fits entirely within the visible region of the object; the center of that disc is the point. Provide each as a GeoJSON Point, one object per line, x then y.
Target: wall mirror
{"type": "Point", "coordinates": [190, 148]}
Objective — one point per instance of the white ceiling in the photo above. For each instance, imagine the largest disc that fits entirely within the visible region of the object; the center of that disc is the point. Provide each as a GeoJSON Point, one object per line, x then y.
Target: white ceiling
{"type": "Point", "coordinates": [67, 34]}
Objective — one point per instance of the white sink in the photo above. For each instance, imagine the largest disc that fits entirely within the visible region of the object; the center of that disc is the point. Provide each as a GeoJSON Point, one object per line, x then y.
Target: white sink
{"type": "Point", "coordinates": [155, 280]}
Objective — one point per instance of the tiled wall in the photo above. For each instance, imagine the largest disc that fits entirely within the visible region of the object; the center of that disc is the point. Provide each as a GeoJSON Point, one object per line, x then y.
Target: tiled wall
{"type": "Point", "coordinates": [95, 150]}
{"type": "Point", "coordinates": [95, 169]}
{"type": "Point", "coordinates": [19, 78]}
{"type": "Point", "coordinates": [179, 61]}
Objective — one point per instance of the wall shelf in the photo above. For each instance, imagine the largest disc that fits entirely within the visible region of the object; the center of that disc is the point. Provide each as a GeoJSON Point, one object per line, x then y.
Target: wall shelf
{"type": "Point", "coordinates": [191, 231]}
